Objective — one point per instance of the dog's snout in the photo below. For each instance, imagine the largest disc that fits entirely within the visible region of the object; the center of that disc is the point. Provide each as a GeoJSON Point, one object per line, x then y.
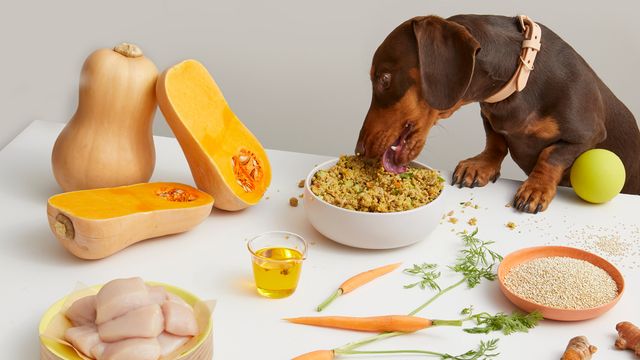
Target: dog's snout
{"type": "Point", "coordinates": [360, 149]}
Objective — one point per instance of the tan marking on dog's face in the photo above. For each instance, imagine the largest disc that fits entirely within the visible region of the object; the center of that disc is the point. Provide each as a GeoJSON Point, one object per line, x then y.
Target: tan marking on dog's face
{"type": "Point", "coordinates": [383, 126]}
{"type": "Point", "coordinates": [544, 128]}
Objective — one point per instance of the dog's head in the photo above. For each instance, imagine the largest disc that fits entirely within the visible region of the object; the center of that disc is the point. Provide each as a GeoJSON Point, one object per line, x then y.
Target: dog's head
{"type": "Point", "coordinates": [419, 74]}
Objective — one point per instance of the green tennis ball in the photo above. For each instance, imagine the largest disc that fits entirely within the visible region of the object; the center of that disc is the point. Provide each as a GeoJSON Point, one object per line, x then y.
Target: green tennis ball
{"type": "Point", "coordinates": [597, 175]}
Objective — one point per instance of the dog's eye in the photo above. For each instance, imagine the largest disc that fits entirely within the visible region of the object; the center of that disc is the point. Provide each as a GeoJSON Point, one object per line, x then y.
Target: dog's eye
{"type": "Point", "coordinates": [384, 81]}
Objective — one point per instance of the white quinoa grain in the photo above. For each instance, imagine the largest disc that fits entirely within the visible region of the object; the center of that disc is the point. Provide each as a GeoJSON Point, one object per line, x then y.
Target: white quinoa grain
{"type": "Point", "coordinates": [562, 282]}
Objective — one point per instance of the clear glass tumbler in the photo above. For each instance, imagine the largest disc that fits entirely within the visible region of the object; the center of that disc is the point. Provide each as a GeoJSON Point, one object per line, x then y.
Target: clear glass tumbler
{"type": "Point", "coordinates": [277, 258]}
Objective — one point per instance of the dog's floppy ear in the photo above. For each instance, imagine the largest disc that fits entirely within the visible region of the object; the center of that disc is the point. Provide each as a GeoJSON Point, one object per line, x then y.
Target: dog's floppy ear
{"type": "Point", "coordinates": [446, 54]}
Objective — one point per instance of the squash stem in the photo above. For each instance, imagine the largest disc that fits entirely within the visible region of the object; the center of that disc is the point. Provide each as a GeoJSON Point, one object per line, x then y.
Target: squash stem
{"type": "Point", "coordinates": [329, 300]}
{"type": "Point", "coordinates": [128, 50]}
{"type": "Point", "coordinates": [64, 227]}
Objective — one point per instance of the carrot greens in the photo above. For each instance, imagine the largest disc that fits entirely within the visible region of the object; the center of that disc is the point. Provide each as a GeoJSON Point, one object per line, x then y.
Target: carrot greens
{"type": "Point", "coordinates": [475, 263]}
{"type": "Point", "coordinates": [428, 276]}
{"type": "Point", "coordinates": [486, 350]}
{"type": "Point", "coordinates": [507, 323]}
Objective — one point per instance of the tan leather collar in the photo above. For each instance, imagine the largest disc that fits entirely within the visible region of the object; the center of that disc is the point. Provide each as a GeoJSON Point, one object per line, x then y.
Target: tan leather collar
{"type": "Point", "coordinates": [530, 48]}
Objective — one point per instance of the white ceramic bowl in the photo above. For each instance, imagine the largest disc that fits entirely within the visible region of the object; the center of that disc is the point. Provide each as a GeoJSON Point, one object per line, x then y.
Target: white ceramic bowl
{"type": "Point", "coordinates": [371, 230]}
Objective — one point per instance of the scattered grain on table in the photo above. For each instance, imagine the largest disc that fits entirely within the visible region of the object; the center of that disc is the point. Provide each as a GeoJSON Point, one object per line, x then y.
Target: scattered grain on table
{"type": "Point", "coordinates": [453, 220]}
{"type": "Point", "coordinates": [562, 282]}
{"type": "Point", "coordinates": [301, 183]}
{"type": "Point", "coordinates": [293, 202]}
{"type": "Point", "coordinates": [619, 243]}
{"type": "Point", "coordinates": [469, 204]}
{"type": "Point", "coordinates": [473, 221]}
{"type": "Point", "coordinates": [511, 225]}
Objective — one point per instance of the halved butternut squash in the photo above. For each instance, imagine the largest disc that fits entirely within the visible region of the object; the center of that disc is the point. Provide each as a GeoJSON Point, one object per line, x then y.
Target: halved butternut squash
{"type": "Point", "coordinates": [93, 224]}
{"type": "Point", "coordinates": [225, 158]}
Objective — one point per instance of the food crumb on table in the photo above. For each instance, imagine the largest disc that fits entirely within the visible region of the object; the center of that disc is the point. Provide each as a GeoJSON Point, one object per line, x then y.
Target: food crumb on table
{"type": "Point", "coordinates": [293, 202]}
{"type": "Point", "coordinates": [511, 225]}
{"type": "Point", "coordinates": [301, 183]}
{"type": "Point", "coordinates": [473, 221]}
{"type": "Point", "coordinates": [453, 220]}
{"type": "Point", "coordinates": [469, 204]}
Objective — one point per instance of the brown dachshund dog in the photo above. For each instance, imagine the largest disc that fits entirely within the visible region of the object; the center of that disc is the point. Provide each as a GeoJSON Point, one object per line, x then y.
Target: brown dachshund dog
{"type": "Point", "coordinates": [429, 66]}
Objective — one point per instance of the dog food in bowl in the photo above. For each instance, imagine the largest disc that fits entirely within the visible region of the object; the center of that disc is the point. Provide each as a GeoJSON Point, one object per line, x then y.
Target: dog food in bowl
{"type": "Point", "coordinates": [355, 183]}
{"type": "Point", "coordinates": [368, 229]}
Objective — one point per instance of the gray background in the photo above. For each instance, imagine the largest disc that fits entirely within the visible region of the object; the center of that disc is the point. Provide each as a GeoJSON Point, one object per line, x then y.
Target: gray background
{"type": "Point", "coordinates": [295, 71]}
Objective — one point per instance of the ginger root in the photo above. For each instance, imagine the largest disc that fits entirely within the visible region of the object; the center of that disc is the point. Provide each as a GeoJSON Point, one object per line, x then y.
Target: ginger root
{"type": "Point", "coordinates": [628, 337]}
{"type": "Point", "coordinates": [579, 349]}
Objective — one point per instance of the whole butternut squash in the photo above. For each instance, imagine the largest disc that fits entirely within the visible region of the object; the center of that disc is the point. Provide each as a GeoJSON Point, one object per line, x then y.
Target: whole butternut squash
{"type": "Point", "coordinates": [225, 158]}
{"type": "Point", "coordinates": [108, 141]}
{"type": "Point", "coordinates": [93, 224]}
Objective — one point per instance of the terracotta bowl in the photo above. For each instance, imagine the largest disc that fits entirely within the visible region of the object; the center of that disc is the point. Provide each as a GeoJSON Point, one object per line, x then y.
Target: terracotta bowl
{"type": "Point", "coordinates": [51, 350]}
{"type": "Point", "coordinates": [527, 254]}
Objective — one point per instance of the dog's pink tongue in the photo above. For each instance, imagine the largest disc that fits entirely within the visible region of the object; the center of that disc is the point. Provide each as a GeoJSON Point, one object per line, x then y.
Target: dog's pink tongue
{"type": "Point", "coordinates": [389, 162]}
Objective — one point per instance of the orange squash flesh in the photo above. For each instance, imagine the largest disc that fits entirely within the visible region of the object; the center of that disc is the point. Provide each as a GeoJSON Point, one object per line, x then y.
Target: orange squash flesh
{"type": "Point", "coordinates": [225, 158]}
{"type": "Point", "coordinates": [93, 224]}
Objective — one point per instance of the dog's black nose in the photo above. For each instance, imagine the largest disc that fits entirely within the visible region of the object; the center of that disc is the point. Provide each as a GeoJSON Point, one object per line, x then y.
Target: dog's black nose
{"type": "Point", "coordinates": [360, 148]}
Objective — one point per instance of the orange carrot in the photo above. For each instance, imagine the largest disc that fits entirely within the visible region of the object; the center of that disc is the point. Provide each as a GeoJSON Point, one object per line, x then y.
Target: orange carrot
{"type": "Point", "coordinates": [401, 323]}
{"type": "Point", "coordinates": [316, 355]}
{"type": "Point", "coordinates": [356, 281]}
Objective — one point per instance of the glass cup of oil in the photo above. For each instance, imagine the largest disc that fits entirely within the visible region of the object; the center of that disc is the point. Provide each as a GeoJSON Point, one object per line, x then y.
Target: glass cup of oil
{"type": "Point", "coordinates": [277, 260]}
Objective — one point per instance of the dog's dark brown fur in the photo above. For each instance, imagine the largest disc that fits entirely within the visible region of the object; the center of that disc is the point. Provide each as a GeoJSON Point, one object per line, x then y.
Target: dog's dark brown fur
{"type": "Point", "coordinates": [428, 67]}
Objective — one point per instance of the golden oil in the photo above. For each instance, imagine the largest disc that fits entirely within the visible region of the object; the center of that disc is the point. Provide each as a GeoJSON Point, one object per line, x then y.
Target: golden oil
{"type": "Point", "coordinates": [276, 271]}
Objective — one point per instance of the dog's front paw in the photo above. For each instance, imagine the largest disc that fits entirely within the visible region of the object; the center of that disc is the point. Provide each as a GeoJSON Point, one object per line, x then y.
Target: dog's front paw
{"type": "Point", "coordinates": [476, 171]}
{"type": "Point", "coordinates": [534, 195]}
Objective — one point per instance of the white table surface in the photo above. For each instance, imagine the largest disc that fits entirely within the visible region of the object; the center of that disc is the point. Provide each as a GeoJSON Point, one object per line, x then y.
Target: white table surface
{"type": "Point", "coordinates": [212, 262]}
